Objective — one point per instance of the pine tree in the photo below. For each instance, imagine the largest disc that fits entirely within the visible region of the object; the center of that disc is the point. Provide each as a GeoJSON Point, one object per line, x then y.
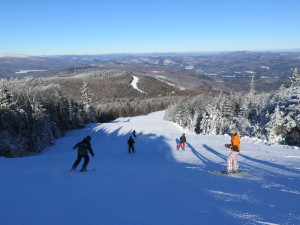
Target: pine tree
{"type": "Point", "coordinates": [275, 126]}
{"type": "Point", "coordinates": [293, 105]}
{"type": "Point", "coordinates": [295, 78]}
{"type": "Point", "coordinates": [292, 109]}
{"type": "Point", "coordinates": [86, 94]}
{"type": "Point", "coordinates": [6, 98]}
{"type": "Point", "coordinates": [62, 108]}
{"type": "Point", "coordinates": [86, 98]}
{"type": "Point", "coordinates": [72, 115]}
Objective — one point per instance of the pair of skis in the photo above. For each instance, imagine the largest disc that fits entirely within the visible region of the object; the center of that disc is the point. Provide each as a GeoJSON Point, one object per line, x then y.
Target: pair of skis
{"type": "Point", "coordinates": [78, 171]}
{"type": "Point", "coordinates": [237, 173]}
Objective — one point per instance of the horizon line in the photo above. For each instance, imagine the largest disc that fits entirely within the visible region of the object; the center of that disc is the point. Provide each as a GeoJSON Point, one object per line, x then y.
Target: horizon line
{"type": "Point", "coordinates": [141, 53]}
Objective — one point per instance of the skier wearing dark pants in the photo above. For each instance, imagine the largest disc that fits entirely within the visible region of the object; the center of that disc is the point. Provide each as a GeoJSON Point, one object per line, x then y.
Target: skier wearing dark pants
{"type": "Point", "coordinates": [134, 133]}
{"type": "Point", "coordinates": [83, 148]}
{"type": "Point", "coordinates": [130, 145]}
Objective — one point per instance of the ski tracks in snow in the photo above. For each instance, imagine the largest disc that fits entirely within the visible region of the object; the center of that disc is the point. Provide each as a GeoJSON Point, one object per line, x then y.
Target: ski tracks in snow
{"type": "Point", "coordinates": [157, 185]}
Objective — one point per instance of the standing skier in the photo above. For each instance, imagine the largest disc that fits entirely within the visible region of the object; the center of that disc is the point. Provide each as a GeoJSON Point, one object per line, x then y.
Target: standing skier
{"type": "Point", "coordinates": [182, 142]}
{"type": "Point", "coordinates": [134, 133]}
{"type": "Point", "coordinates": [83, 147]}
{"type": "Point", "coordinates": [232, 164]}
{"type": "Point", "coordinates": [130, 145]}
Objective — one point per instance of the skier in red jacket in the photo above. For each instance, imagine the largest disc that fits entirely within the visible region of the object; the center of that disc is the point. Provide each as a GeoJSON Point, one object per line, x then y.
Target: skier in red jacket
{"type": "Point", "coordinates": [182, 142]}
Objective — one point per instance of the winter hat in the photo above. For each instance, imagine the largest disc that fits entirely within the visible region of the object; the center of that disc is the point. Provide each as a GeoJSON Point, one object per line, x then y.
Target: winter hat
{"type": "Point", "coordinates": [232, 131]}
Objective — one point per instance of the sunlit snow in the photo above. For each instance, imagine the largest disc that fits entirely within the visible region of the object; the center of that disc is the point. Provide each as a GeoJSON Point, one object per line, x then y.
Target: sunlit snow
{"type": "Point", "coordinates": [158, 185]}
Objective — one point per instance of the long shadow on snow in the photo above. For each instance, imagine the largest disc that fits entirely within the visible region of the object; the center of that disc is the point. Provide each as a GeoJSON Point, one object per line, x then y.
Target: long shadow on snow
{"type": "Point", "coordinates": [266, 163]}
{"type": "Point", "coordinates": [166, 176]}
{"type": "Point", "coordinates": [251, 166]}
{"type": "Point", "coordinates": [215, 152]}
{"type": "Point", "coordinates": [208, 164]}
{"type": "Point", "coordinates": [177, 142]}
{"type": "Point", "coordinates": [148, 145]}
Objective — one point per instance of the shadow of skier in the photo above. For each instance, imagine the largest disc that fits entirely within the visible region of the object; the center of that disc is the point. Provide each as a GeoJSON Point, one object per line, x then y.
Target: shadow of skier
{"type": "Point", "coordinates": [208, 164]}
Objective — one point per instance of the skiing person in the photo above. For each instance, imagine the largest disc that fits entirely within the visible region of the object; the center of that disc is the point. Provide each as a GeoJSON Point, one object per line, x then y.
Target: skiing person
{"type": "Point", "coordinates": [130, 144]}
{"type": "Point", "coordinates": [232, 164]}
{"type": "Point", "coordinates": [134, 133]}
{"type": "Point", "coordinates": [83, 147]}
{"type": "Point", "coordinates": [284, 140]}
{"type": "Point", "coordinates": [182, 142]}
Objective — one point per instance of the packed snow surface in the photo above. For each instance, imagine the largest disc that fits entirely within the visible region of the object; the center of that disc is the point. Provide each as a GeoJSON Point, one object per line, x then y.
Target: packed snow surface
{"type": "Point", "coordinates": [158, 185]}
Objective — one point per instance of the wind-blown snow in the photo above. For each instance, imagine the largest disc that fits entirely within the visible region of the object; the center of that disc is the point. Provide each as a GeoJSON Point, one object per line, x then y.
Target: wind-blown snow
{"type": "Point", "coordinates": [158, 185]}
{"type": "Point", "coordinates": [134, 84]}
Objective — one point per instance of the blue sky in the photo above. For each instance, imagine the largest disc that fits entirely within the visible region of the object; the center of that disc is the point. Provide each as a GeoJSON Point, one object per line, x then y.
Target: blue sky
{"type": "Point", "coordinates": [138, 26]}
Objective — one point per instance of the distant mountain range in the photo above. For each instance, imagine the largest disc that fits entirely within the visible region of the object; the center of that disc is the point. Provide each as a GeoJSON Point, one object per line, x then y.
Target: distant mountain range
{"type": "Point", "coordinates": [228, 71]}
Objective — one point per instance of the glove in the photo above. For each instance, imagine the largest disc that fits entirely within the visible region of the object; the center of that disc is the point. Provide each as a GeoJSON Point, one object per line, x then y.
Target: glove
{"type": "Point", "coordinates": [227, 145]}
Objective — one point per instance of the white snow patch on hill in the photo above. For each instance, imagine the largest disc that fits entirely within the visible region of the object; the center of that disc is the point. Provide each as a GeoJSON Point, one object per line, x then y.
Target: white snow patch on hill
{"type": "Point", "coordinates": [158, 185]}
{"type": "Point", "coordinates": [168, 62]}
{"type": "Point", "coordinates": [29, 71]}
{"type": "Point", "coordinates": [164, 79]}
{"type": "Point", "coordinates": [134, 84]}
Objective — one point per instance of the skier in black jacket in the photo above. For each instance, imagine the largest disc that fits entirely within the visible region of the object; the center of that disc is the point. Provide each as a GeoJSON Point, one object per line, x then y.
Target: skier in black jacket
{"type": "Point", "coordinates": [83, 148]}
{"type": "Point", "coordinates": [134, 133]}
{"type": "Point", "coordinates": [130, 144]}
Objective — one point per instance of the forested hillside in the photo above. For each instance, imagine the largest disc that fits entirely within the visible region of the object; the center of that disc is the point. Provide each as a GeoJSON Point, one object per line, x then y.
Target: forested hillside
{"type": "Point", "coordinates": [36, 111]}
{"type": "Point", "coordinates": [274, 116]}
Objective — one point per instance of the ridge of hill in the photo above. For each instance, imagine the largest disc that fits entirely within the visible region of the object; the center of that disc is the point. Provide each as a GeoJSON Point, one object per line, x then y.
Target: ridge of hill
{"type": "Point", "coordinates": [110, 84]}
{"type": "Point", "coordinates": [226, 71]}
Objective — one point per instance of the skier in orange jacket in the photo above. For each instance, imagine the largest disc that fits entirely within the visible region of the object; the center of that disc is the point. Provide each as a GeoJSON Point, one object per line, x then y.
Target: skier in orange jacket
{"type": "Point", "coordinates": [235, 145]}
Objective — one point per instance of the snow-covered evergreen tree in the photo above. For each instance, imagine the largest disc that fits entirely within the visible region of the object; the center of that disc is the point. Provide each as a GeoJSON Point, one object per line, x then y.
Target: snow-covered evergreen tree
{"type": "Point", "coordinates": [72, 109]}
{"type": "Point", "coordinates": [6, 98]}
{"type": "Point", "coordinates": [295, 78]}
{"type": "Point", "coordinates": [34, 115]}
{"type": "Point", "coordinates": [86, 98]}
{"type": "Point", "coordinates": [275, 128]}
{"type": "Point", "coordinates": [86, 94]}
{"type": "Point", "coordinates": [266, 116]}
{"type": "Point", "coordinates": [288, 101]}
{"type": "Point", "coordinates": [292, 108]}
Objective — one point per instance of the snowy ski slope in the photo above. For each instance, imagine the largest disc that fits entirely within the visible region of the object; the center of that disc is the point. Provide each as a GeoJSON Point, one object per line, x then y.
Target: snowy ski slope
{"type": "Point", "coordinates": [158, 185]}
